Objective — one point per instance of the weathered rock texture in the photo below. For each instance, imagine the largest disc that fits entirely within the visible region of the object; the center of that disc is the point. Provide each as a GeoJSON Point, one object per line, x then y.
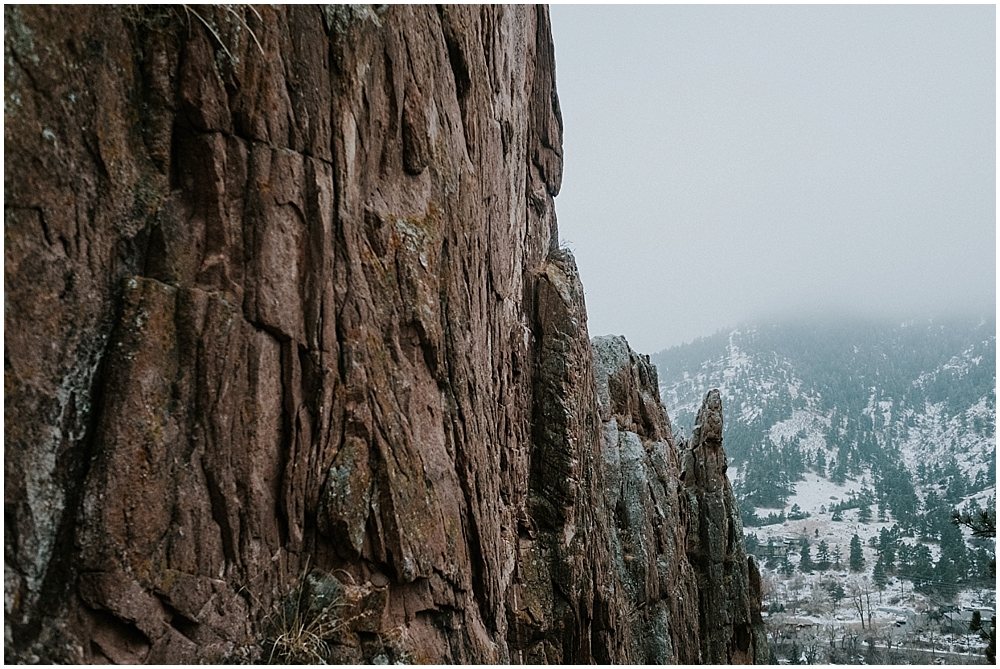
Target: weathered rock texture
{"type": "Point", "coordinates": [728, 580]}
{"type": "Point", "coordinates": [285, 313]}
{"type": "Point", "coordinates": [648, 510]}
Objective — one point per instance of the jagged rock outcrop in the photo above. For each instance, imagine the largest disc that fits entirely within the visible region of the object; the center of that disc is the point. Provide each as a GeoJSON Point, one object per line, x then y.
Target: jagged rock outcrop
{"type": "Point", "coordinates": [285, 313]}
{"type": "Point", "coordinates": [728, 580]}
{"type": "Point", "coordinates": [648, 508]}
{"type": "Point", "coordinates": [692, 592]}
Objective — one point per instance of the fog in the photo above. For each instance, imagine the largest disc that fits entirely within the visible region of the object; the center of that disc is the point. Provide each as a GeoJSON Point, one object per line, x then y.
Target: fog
{"type": "Point", "coordinates": [730, 163]}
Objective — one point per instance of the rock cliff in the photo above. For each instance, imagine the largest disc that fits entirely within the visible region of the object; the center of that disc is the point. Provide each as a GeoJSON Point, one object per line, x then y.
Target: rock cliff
{"type": "Point", "coordinates": [295, 369]}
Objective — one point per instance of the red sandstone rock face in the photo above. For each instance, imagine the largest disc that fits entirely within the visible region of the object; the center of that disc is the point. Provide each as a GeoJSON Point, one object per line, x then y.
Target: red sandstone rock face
{"type": "Point", "coordinates": [285, 314]}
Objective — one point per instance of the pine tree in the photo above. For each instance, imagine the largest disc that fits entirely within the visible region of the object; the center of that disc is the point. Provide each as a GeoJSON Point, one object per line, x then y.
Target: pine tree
{"type": "Point", "coordinates": [836, 555]}
{"type": "Point", "coordinates": [930, 521]}
{"type": "Point", "coordinates": [786, 568]}
{"type": "Point", "coordinates": [921, 569]}
{"type": "Point", "coordinates": [957, 486]}
{"type": "Point", "coordinates": [953, 551]}
{"type": "Point", "coordinates": [987, 635]}
{"type": "Point", "coordinates": [857, 559]}
{"type": "Point", "coordinates": [805, 560]}
{"type": "Point", "coordinates": [838, 470]}
{"type": "Point", "coordinates": [886, 548]}
{"type": "Point", "coordinates": [905, 553]}
{"type": "Point", "coordinates": [879, 575]}
{"type": "Point", "coordinates": [823, 556]}
{"type": "Point", "coordinates": [836, 591]}
{"type": "Point", "coordinates": [945, 578]}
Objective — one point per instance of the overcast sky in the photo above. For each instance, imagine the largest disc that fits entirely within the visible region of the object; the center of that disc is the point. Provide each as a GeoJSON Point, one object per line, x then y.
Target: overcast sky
{"type": "Point", "coordinates": [725, 163]}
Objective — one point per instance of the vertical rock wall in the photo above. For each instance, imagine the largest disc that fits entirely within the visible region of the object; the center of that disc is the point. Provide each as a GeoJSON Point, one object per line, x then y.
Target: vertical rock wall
{"type": "Point", "coordinates": [285, 314]}
{"type": "Point", "coordinates": [648, 510]}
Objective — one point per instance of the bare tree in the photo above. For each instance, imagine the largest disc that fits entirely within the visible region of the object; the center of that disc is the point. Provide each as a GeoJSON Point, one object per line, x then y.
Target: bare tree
{"type": "Point", "coordinates": [888, 638]}
{"type": "Point", "coordinates": [867, 592]}
{"type": "Point", "coordinates": [830, 633]}
{"type": "Point", "coordinates": [861, 597]}
{"type": "Point", "coordinates": [811, 647]}
{"type": "Point", "coordinates": [849, 641]}
{"type": "Point", "coordinates": [872, 655]}
{"type": "Point", "coordinates": [859, 604]}
{"type": "Point", "coordinates": [933, 635]}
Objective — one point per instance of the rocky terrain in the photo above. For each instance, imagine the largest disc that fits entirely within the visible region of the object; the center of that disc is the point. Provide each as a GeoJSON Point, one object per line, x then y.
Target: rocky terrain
{"type": "Point", "coordinates": [295, 369]}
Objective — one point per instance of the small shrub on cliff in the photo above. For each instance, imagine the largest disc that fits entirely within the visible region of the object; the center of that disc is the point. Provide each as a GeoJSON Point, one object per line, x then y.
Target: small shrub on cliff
{"type": "Point", "coordinates": [300, 629]}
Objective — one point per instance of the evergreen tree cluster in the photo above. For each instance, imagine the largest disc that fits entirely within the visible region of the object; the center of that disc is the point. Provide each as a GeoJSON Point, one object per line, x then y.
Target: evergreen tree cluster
{"type": "Point", "coordinates": [961, 562]}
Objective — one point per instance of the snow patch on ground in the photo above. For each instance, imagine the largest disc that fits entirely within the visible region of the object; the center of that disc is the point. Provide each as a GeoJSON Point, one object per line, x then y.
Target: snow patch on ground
{"type": "Point", "coordinates": [807, 427]}
{"type": "Point", "coordinates": [815, 492]}
{"type": "Point", "coordinates": [933, 436]}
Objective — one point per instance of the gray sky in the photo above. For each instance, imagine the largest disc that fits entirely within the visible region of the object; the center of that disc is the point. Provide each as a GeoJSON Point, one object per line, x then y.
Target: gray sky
{"type": "Point", "coordinates": [732, 162]}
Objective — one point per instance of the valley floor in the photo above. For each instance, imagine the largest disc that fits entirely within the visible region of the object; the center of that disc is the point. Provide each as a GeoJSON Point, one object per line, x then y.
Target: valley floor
{"type": "Point", "coordinates": [808, 623]}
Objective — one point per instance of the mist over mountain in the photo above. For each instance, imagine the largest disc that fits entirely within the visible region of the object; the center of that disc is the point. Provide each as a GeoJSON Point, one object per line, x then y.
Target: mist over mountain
{"type": "Point", "coordinates": [850, 396]}
{"type": "Point", "coordinates": [845, 162]}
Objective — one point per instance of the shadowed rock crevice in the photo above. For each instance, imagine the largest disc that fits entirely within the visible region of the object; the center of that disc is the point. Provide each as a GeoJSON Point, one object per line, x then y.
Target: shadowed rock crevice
{"type": "Point", "coordinates": [286, 314]}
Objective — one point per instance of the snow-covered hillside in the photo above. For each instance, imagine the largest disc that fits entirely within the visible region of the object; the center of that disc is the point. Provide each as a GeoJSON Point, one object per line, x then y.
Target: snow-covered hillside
{"type": "Point", "coordinates": [856, 391]}
{"type": "Point", "coordinates": [855, 432]}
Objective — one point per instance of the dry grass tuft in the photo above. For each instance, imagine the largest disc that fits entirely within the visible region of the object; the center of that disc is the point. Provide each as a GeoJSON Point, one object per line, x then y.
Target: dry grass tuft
{"type": "Point", "coordinates": [300, 632]}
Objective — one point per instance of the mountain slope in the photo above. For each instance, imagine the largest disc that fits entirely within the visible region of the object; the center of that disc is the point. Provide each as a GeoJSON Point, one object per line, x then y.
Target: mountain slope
{"type": "Point", "coordinates": [845, 398]}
